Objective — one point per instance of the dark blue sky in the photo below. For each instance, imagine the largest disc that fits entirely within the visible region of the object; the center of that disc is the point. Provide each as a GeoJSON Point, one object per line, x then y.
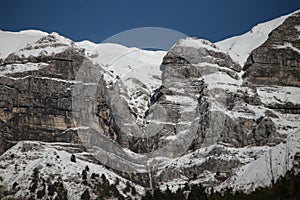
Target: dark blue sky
{"type": "Point", "coordinates": [97, 20]}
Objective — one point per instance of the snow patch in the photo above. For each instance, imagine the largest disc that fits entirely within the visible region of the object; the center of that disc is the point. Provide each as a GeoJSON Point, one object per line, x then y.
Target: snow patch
{"type": "Point", "coordinates": [11, 42]}
{"type": "Point", "coordinates": [15, 68]}
{"type": "Point", "coordinates": [287, 45]}
{"type": "Point", "coordinates": [198, 43]}
{"type": "Point", "coordinates": [279, 94]}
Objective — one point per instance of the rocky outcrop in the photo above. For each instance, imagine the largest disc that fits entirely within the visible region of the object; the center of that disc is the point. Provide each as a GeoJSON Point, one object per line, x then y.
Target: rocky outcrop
{"type": "Point", "coordinates": [36, 105]}
{"type": "Point", "coordinates": [211, 163]}
{"type": "Point", "coordinates": [198, 108]}
{"type": "Point", "coordinates": [277, 61]}
{"type": "Point", "coordinates": [204, 121]}
{"type": "Point", "coordinates": [196, 81]}
{"type": "Point", "coordinates": [36, 102]}
{"type": "Point", "coordinates": [286, 108]}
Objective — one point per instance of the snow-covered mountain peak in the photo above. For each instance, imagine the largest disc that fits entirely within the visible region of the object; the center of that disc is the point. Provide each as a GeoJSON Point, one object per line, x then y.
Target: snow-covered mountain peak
{"type": "Point", "coordinates": [197, 43]}
{"type": "Point", "coordinates": [55, 39]}
{"type": "Point", "coordinates": [13, 41]}
{"type": "Point", "coordinates": [49, 44]}
{"type": "Point", "coordinates": [240, 47]}
{"type": "Point", "coordinates": [27, 32]}
{"type": "Point", "coordinates": [185, 116]}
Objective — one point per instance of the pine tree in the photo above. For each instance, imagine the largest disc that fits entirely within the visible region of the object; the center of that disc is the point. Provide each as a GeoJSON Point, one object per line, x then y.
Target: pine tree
{"type": "Point", "coordinates": [84, 174]}
{"type": "Point", "coordinates": [86, 195]}
{"type": "Point", "coordinates": [127, 188]}
{"type": "Point", "coordinates": [103, 178]}
{"type": "Point", "coordinates": [197, 192]}
{"type": "Point", "coordinates": [133, 191]}
{"type": "Point", "coordinates": [73, 158]}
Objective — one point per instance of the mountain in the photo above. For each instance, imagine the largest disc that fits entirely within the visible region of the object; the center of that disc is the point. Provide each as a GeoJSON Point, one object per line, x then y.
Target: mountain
{"type": "Point", "coordinates": [84, 120]}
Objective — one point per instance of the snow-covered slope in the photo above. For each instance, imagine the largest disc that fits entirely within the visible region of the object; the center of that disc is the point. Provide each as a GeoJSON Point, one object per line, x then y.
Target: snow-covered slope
{"type": "Point", "coordinates": [240, 47]}
{"type": "Point", "coordinates": [268, 168]}
{"type": "Point", "coordinates": [13, 41]}
{"type": "Point", "coordinates": [29, 163]}
{"type": "Point", "coordinates": [138, 69]}
{"type": "Point", "coordinates": [127, 62]}
{"type": "Point", "coordinates": [240, 140]}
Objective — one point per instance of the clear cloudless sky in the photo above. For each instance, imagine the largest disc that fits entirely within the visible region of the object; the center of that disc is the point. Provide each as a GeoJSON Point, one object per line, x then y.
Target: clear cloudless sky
{"type": "Point", "coordinates": [96, 20]}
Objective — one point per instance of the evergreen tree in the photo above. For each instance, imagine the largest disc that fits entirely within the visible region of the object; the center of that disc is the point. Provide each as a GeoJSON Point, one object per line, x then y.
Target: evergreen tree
{"type": "Point", "coordinates": [127, 188]}
{"type": "Point", "coordinates": [148, 196]}
{"type": "Point", "coordinates": [86, 195]}
{"type": "Point", "coordinates": [103, 178]}
{"type": "Point", "coordinates": [73, 158]}
{"type": "Point", "coordinates": [84, 174]}
{"type": "Point", "coordinates": [168, 193]}
{"type": "Point", "coordinates": [197, 192]}
{"type": "Point", "coordinates": [133, 191]}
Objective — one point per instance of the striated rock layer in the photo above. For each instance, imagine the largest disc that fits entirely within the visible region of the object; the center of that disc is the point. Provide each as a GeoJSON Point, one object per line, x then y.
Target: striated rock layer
{"type": "Point", "coordinates": [190, 115]}
{"type": "Point", "coordinates": [277, 61]}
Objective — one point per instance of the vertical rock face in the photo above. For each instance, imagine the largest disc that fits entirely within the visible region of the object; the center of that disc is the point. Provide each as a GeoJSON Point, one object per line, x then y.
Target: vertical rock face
{"type": "Point", "coordinates": [36, 94]}
{"type": "Point", "coordinates": [36, 105]}
{"type": "Point", "coordinates": [277, 61]}
{"type": "Point", "coordinates": [200, 120]}
{"type": "Point", "coordinates": [198, 97]}
{"type": "Point", "coordinates": [106, 117]}
{"type": "Point", "coordinates": [208, 102]}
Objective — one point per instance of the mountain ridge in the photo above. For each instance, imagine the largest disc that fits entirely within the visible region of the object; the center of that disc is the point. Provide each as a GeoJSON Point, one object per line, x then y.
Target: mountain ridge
{"type": "Point", "coordinates": [208, 124]}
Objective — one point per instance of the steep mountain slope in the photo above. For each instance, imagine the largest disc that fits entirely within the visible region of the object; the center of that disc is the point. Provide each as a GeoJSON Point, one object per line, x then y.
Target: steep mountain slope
{"type": "Point", "coordinates": [41, 169]}
{"type": "Point", "coordinates": [194, 114]}
{"type": "Point", "coordinates": [278, 56]}
{"type": "Point", "coordinates": [36, 94]}
{"type": "Point", "coordinates": [35, 91]}
{"type": "Point", "coordinates": [240, 47]}
{"type": "Point", "coordinates": [232, 126]}
{"type": "Point", "coordinates": [139, 71]}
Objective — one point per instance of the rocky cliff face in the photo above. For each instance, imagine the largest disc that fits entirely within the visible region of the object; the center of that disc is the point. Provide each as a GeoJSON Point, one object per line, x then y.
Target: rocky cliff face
{"type": "Point", "coordinates": [276, 62]}
{"type": "Point", "coordinates": [212, 83]}
{"type": "Point", "coordinates": [36, 94]}
{"type": "Point", "coordinates": [192, 114]}
{"type": "Point", "coordinates": [208, 104]}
